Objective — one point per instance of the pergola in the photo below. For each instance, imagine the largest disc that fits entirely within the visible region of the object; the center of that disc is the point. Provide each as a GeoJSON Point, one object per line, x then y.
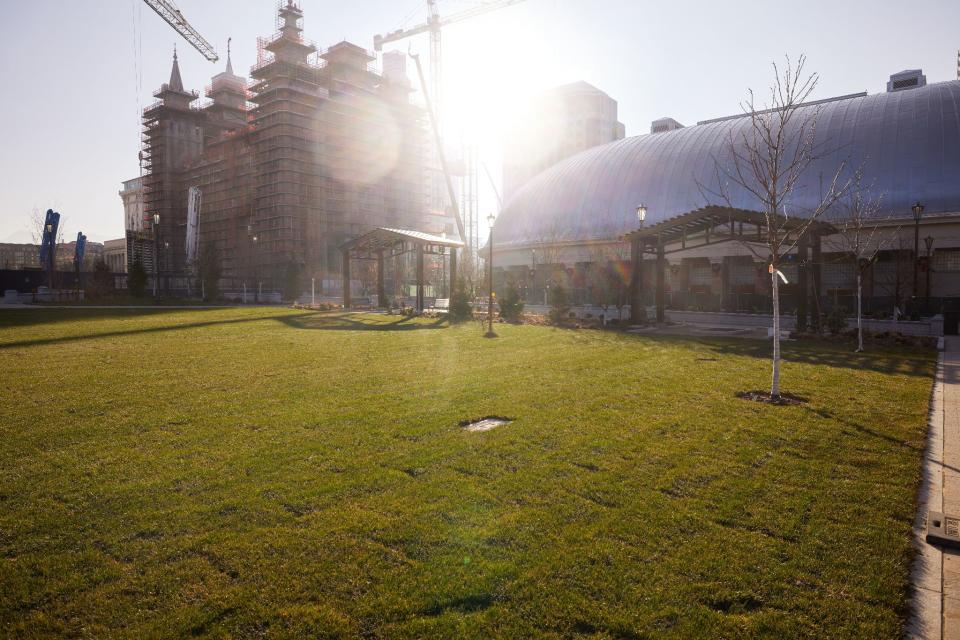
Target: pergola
{"type": "Point", "coordinates": [714, 225]}
{"type": "Point", "coordinates": [383, 242]}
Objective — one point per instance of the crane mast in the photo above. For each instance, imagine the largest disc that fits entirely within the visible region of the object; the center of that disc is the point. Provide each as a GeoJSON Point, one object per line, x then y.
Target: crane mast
{"type": "Point", "coordinates": [434, 25]}
{"type": "Point", "coordinates": [171, 14]}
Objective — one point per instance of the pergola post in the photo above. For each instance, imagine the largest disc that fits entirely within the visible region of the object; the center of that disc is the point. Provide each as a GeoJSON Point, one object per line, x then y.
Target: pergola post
{"type": "Point", "coordinates": [802, 284]}
{"type": "Point", "coordinates": [453, 272]}
{"type": "Point", "coordinates": [381, 290]}
{"type": "Point", "coordinates": [817, 283]}
{"type": "Point", "coordinates": [419, 277]}
{"type": "Point", "coordinates": [346, 279]}
{"type": "Point", "coordinates": [636, 284]}
{"type": "Point", "coordinates": [661, 269]}
{"type": "Point", "coordinates": [725, 284]}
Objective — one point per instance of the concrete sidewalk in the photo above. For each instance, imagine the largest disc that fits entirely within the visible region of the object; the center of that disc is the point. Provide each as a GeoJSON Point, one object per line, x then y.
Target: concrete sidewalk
{"type": "Point", "coordinates": [936, 571]}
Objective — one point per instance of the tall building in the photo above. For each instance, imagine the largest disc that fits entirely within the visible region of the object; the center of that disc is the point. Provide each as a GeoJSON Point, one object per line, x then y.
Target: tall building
{"type": "Point", "coordinates": [132, 196]}
{"type": "Point", "coordinates": [556, 125]}
{"type": "Point", "coordinates": [316, 149]}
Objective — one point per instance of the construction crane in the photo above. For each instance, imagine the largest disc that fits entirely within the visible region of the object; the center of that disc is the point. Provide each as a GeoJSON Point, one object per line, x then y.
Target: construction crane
{"type": "Point", "coordinates": [434, 24]}
{"type": "Point", "coordinates": [434, 125]}
{"type": "Point", "coordinates": [169, 12]}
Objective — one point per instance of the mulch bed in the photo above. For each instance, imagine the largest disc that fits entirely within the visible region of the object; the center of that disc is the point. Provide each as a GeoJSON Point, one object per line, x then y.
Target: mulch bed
{"type": "Point", "coordinates": [764, 396]}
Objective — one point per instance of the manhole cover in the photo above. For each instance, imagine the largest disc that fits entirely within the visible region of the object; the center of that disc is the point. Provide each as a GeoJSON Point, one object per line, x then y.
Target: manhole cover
{"type": "Point", "coordinates": [485, 424]}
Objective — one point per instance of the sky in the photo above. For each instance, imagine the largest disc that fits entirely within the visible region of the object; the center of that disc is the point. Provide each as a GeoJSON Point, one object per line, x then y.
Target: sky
{"type": "Point", "coordinates": [77, 74]}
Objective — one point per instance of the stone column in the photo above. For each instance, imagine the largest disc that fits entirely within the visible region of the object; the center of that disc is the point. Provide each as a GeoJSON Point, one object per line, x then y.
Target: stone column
{"type": "Point", "coordinates": [381, 290]}
{"type": "Point", "coordinates": [661, 269]}
{"type": "Point", "coordinates": [802, 284]}
{"type": "Point", "coordinates": [419, 277]}
{"type": "Point", "coordinates": [636, 282]}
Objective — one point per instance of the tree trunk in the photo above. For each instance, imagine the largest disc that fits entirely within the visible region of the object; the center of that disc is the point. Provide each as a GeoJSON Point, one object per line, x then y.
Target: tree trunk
{"type": "Point", "coordinates": [859, 313]}
{"type": "Point", "coordinates": [775, 386]}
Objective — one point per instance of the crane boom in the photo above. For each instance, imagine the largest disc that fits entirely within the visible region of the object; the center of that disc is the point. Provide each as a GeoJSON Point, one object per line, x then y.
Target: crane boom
{"type": "Point", "coordinates": [433, 23]}
{"type": "Point", "coordinates": [171, 14]}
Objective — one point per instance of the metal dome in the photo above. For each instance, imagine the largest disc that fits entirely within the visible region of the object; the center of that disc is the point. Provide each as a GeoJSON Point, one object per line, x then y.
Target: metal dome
{"type": "Point", "coordinates": [908, 142]}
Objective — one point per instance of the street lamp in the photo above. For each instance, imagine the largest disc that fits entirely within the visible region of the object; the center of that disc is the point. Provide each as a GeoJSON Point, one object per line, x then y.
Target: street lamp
{"type": "Point", "coordinates": [490, 334]}
{"type": "Point", "coordinates": [256, 270]}
{"type": "Point", "coordinates": [156, 255]}
{"type": "Point", "coordinates": [641, 214]}
{"type": "Point", "coordinates": [533, 273]}
{"type": "Point", "coordinates": [928, 241]}
{"type": "Point", "coordinates": [917, 212]}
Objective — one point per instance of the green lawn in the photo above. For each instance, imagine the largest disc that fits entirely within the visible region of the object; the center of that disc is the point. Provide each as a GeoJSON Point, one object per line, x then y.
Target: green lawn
{"type": "Point", "coordinates": [281, 473]}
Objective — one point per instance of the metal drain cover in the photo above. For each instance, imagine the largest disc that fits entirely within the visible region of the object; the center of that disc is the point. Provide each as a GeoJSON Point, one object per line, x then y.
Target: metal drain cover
{"type": "Point", "coordinates": [485, 424]}
{"type": "Point", "coordinates": [943, 529]}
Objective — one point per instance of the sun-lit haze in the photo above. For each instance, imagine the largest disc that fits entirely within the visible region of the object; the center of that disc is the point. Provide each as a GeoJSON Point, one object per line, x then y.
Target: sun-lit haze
{"type": "Point", "coordinates": [76, 75]}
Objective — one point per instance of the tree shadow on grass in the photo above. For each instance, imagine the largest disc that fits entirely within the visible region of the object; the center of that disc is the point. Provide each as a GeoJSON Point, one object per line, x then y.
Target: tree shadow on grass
{"type": "Point", "coordinates": [308, 320]}
{"type": "Point", "coordinates": [862, 429]}
{"type": "Point", "coordinates": [139, 331]}
{"type": "Point", "coordinates": [20, 317]}
{"type": "Point", "coordinates": [911, 362]}
{"type": "Point", "coordinates": [347, 321]}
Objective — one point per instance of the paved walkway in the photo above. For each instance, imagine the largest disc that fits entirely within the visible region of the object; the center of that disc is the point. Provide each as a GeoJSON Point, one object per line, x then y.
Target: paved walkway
{"type": "Point", "coordinates": [936, 573]}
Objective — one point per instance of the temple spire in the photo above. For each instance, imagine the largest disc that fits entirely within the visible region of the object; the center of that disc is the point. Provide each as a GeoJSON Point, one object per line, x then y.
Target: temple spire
{"type": "Point", "coordinates": [229, 63]}
{"type": "Point", "coordinates": [176, 82]}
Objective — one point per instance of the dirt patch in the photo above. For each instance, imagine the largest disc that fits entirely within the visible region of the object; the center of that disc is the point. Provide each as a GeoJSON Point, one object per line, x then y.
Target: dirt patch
{"type": "Point", "coordinates": [764, 396]}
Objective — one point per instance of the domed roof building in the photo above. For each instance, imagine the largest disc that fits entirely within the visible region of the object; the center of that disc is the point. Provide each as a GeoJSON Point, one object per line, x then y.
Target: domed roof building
{"type": "Point", "coordinates": [906, 140]}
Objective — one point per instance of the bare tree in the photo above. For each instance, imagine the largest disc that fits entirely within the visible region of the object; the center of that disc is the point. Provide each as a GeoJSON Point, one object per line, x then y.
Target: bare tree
{"type": "Point", "coordinates": [767, 160]}
{"type": "Point", "coordinates": [893, 279]}
{"type": "Point", "coordinates": [38, 220]}
{"type": "Point", "coordinates": [859, 233]}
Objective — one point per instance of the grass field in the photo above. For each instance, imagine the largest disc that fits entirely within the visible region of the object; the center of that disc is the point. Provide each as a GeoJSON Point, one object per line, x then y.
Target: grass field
{"type": "Point", "coordinates": [281, 473]}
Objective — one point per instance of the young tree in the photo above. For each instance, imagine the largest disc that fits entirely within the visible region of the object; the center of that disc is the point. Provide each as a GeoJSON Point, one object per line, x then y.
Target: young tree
{"type": "Point", "coordinates": [859, 235]}
{"type": "Point", "coordinates": [511, 306]}
{"type": "Point", "coordinates": [102, 285]}
{"type": "Point", "coordinates": [766, 160]}
{"type": "Point", "coordinates": [137, 280]}
{"type": "Point", "coordinates": [210, 271]}
{"type": "Point", "coordinates": [292, 281]}
{"type": "Point", "coordinates": [559, 304]}
{"type": "Point", "coordinates": [460, 308]}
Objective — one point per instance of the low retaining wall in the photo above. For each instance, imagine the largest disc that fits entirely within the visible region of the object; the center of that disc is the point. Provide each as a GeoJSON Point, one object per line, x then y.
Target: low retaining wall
{"type": "Point", "coordinates": [928, 327]}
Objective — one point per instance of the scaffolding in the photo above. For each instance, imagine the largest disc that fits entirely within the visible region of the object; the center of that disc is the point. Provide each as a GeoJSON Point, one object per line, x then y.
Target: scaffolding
{"type": "Point", "coordinates": [280, 159]}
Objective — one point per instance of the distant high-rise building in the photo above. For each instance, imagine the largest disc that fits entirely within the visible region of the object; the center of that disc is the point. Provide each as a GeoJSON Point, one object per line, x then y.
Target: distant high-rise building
{"type": "Point", "coordinates": [132, 196]}
{"type": "Point", "coordinates": [556, 125]}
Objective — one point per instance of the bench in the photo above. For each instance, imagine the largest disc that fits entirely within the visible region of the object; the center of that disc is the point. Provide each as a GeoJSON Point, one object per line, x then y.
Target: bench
{"type": "Point", "coordinates": [441, 305]}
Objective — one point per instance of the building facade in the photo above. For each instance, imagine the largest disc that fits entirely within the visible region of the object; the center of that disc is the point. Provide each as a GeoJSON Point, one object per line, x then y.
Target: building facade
{"type": "Point", "coordinates": [569, 222]}
{"type": "Point", "coordinates": [115, 255]}
{"type": "Point", "coordinates": [316, 149]}
{"type": "Point", "coordinates": [132, 196]}
{"type": "Point", "coordinates": [560, 123]}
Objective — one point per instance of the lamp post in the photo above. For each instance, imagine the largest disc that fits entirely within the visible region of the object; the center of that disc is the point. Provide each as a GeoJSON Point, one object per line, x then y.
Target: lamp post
{"type": "Point", "coordinates": [166, 283]}
{"type": "Point", "coordinates": [490, 334]}
{"type": "Point", "coordinates": [928, 241]}
{"type": "Point", "coordinates": [917, 212]}
{"type": "Point", "coordinates": [256, 271]}
{"type": "Point", "coordinates": [156, 255]}
{"type": "Point", "coordinates": [533, 273]}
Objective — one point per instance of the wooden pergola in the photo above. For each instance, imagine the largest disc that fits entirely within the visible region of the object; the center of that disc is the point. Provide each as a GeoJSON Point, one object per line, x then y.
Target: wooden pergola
{"type": "Point", "coordinates": [714, 225]}
{"type": "Point", "coordinates": [383, 242]}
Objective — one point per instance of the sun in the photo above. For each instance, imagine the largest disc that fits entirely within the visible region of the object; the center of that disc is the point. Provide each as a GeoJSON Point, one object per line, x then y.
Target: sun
{"type": "Point", "coordinates": [492, 66]}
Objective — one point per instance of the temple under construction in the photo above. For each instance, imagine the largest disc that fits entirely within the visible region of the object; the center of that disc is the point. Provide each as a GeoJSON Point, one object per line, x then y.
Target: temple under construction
{"type": "Point", "coordinates": [315, 150]}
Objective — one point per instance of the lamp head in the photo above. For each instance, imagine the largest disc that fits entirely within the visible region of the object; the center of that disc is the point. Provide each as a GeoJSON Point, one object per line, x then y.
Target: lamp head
{"type": "Point", "coordinates": [156, 218]}
{"type": "Point", "coordinates": [917, 211]}
{"type": "Point", "coordinates": [491, 218]}
{"type": "Point", "coordinates": [641, 213]}
{"type": "Point", "coordinates": [929, 242]}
